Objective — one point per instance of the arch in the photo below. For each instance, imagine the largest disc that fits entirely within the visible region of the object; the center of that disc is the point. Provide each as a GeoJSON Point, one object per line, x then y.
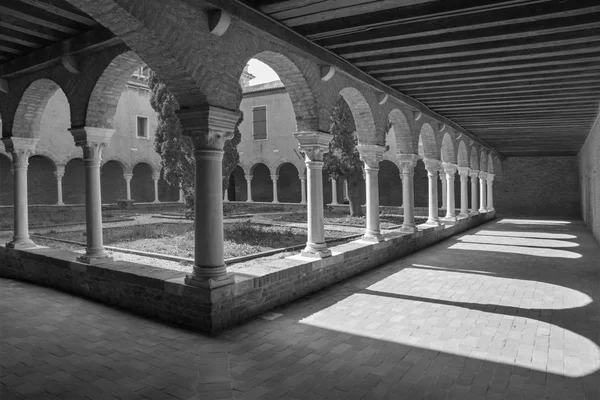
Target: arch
{"type": "Point", "coordinates": [427, 143]}
{"type": "Point", "coordinates": [238, 189]}
{"type": "Point", "coordinates": [448, 153]}
{"type": "Point", "coordinates": [112, 181]}
{"type": "Point", "coordinates": [102, 104]}
{"type": "Point", "coordinates": [463, 154]}
{"type": "Point", "coordinates": [26, 122]}
{"type": "Point", "coordinates": [6, 180]}
{"type": "Point", "coordinates": [390, 184]}
{"type": "Point", "coordinates": [41, 182]}
{"type": "Point", "coordinates": [262, 185]}
{"type": "Point", "coordinates": [498, 171]}
{"type": "Point", "coordinates": [297, 87]}
{"type": "Point", "coordinates": [257, 164]}
{"type": "Point", "coordinates": [361, 112]}
{"type": "Point", "coordinates": [142, 184]}
{"type": "Point", "coordinates": [288, 185]}
{"type": "Point", "coordinates": [73, 182]}
{"type": "Point", "coordinates": [474, 162]}
{"type": "Point", "coordinates": [403, 132]}
{"type": "Point", "coordinates": [490, 164]}
{"type": "Point", "coordinates": [125, 167]}
{"type": "Point", "coordinates": [483, 161]}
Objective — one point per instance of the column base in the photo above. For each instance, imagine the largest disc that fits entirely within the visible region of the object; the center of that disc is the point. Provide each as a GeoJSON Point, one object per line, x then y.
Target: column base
{"type": "Point", "coordinates": [482, 210]}
{"type": "Point", "coordinates": [60, 204]}
{"type": "Point", "coordinates": [275, 202]}
{"type": "Point", "coordinates": [209, 283]}
{"type": "Point", "coordinates": [409, 228]}
{"type": "Point", "coordinates": [434, 222]}
{"type": "Point", "coordinates": [463, 215]}
{"type": "Point", "coordinates": [249, 201]}
{"type": "Point", "coordinates": [20, 244]}
{"type": "Point", "coordinates": [316, 250]}
{"type": "Point", "coordinates": [474, 213]}
{"type": "Point", "coordinates": [94, 259]}
{"type": "Point", "coordinates": [373, 237]}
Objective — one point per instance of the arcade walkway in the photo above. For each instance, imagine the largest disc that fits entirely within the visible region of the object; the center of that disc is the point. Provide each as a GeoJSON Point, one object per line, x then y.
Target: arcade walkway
{"type": "Point", "coordinates": [506, 310]}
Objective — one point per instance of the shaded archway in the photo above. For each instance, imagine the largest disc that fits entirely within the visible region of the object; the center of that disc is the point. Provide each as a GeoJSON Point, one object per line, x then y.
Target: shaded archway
{"type": "Point", "coordinates": [238, 187]}
{"type": "Point", "coordinates": [403, 134]}
{"type": "Point", "coordinates": [28, 116]}
{"type": "Point", "coordinates": [142, 184]}
{"type": "Point", "coordinates": [41, 182]}
{"type": "Point", "coordinates": [262, 185]}
{"type": "Point", "coordinates": [288, 185]}
{"type": "Point", "coordinates": [390, 184]}
{"type": "Point", "coordinates": [6, 180]}
{"type": "Point", "coordinates": [73, 182]}
{"type": "Point", "coordinates": [113, 185]}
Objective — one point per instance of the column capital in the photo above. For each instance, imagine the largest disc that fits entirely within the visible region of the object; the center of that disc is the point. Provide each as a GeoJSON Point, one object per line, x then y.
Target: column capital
{"type": "Point", "coordinates": [208, 127]}
{"type": "Point", "coordinates": [431, 165]}
{"type": "Point", "coordinates": [313, 144]}
{"type": "Point", "coordinates": [464, 171]}
{"type": "Point", "coordinates": [449, 168]}
{"type": "Point", "coordinates": [92, 141]}
{"type": "Point", "coordinates": [302, 178]}
{"type": "Point", "coordinates": [60, 171]}
{"type": "Point", "coordinates": [408, 162]}
{"type": "Point", "coordinates": [474, 173]}
{"type": "Point", "coordinates": [490, 177]}
{"type": "Point", "coordinates": [370, 154]}
{"type": "Point", "coordinates": [248, 177]}
{"type": "Point", "coordinates": [128, 177]}
{"type": "Point", "coordinates": [482, 175]}
{"type": "Point", "coordinates": [21, 149]}
{"type": "Point", "coordinates": [156, 176]}
{"type": "Point", "coordinates": [274, 177]}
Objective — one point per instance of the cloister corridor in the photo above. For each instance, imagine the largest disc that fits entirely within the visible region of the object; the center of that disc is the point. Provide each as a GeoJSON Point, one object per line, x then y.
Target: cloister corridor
{"type": "Point", "coordinates": [506, 310]}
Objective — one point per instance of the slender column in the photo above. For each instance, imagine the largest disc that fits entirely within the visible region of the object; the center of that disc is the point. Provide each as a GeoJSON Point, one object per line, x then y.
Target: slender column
{"type": "Point", "coordinates": [93, 141]}
{"type": "Point", "coordinates": [464, 191]}
{"type": "Point", "coordinates": [314, 145]}
{"type": "Point", "coordinates": [408, 163]}
{"type": "Point", "coordinates": [474, 190]}
{"type": "Point", "coordinates": [303, 188]}
{"type": "Point", "coordinates": [208, 128]}
{"type": "Point", "coordinates": [443, 179]}
{"type": "Point", "coordinates": [490, 192]}
{"type": "Point", "coordinates": [334, 191]}
{"type": "Point", "coordinates": [371, 156]}
{"type": "Point", "coordinates": [155, 178]}
{"type": "Point", "coordinates": [249, 187]}
{"type": "Point", "coordinates": [21, 149]}
{"type": "Point", "coordinates": [181, 196]}
{"type": "Point", "coordinates": [482, 192]}
{"type": "Point", "coordinates": [58, 174]}
{"type": "Point", "coordinates": [275, 178]}
{"type": "Point", "coordinates": [432, 167]}
{"type": "Point", "coordinates": [401, 178]}
{"type": "Point", "coordinates": [225, 197]}
{"type": "Point", "coordinates": [450, 172]}
{"type": "Point", "coordinates": [128, 178]}
{"type": "Point", "coordinates": [346, 189]}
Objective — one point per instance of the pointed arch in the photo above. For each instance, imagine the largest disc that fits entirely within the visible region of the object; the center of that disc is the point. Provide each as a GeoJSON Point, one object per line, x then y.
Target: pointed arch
{"type": "Point", "coordinates": [483, 161]}
{"type": "Point", "coordinates": [361, 112]}
{"type": "Point", "coordinates": [427, 143]}
{"type": "Point", "coordinates": [448, 152]}
{"type": "Point", "coordinates": [462, 154]}
{"type": "Point", "coordinates": [405, 144]}
{"type": "Point", "coordinates": [474, 163]}
{"type": "Point", "coordinates": [33, 102]}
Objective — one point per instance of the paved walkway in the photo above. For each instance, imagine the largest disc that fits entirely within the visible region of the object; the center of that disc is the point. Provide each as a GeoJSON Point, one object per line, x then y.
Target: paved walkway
{"type": "Point", "coordinates": [507, 310]}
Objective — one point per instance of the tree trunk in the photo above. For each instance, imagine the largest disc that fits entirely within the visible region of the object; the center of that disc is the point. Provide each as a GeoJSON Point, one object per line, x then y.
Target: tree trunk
{"type": "Point", "coordinates": [354, 181]}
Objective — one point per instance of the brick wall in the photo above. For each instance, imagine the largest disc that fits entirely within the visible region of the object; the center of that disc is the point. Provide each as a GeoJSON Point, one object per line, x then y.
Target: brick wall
{"type": "Point", "coordinates": [538, 186]}
{"type": "Point", "coordinates": [73, 182]}
{"type": "Point", "coordinates": [589, 175]}
{"type": "Point", "coordinates": [6, 181]}
{"type": "Point", "coordinates": [41, 183]}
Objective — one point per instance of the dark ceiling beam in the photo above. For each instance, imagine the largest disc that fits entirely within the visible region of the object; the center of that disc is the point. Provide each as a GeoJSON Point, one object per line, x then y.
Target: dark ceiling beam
{"type": "Point", "coordinates": [58, 8]}
{"type": "Point", "coordinates": [41, 32]}
{"type": "Point", "coordinates": [10, 48]}
{"type": "Point", "coordinates": [449, 96]}
{"type": "Point", "coordinates": [591, 93]}
{"type": "Point", "coordinates": [21, 11]}
{"type": "Point", "coordinates": [19, 38]}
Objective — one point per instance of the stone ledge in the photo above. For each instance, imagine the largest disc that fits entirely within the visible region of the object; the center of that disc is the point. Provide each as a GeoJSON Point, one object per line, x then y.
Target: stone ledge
{"type": "Point", "coordinates": [163, 294]}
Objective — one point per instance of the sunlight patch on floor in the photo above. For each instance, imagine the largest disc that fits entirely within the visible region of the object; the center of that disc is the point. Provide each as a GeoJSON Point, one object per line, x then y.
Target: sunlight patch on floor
{"type": "Point", "coordinates": [528, 251]}
{"type": "Point", "coordinates": [532, 222]}
{"type": "Point", "coordinates": [525, 234]}
{"type": "Point", "coordinates": [516, 241]}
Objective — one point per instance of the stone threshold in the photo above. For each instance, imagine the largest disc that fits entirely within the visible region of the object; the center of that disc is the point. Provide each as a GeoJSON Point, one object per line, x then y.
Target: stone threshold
{"type": "Point", "coordinates": [162, 294]}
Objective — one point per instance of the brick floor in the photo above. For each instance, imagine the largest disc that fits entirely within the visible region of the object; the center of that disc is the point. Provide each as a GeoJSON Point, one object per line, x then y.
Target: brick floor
{"type": "Point", "coordinates": [505, 311]}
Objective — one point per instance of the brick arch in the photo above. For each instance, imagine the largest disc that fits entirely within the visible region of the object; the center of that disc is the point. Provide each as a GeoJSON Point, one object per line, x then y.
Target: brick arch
{"type": "Point", "coordinates": [125, 166]}
{"type": "Point", "coordinates": [462, 154]}
{"type": "Point", "coordinates": [427, 144]}
{"type": "Point", "coordinates": [447, 151]}
{"type": "Point", "coordinates": [361, 112]}
{"type": "Point", "coordinates": [283, 161]}
{"type": "Point", "coordinates": [33, 102]}
{"type": "Point", "coordinates": [257, 163]}
{"type": "Point", "coordinates": [498, 172]}
{"type": "Point", "coordinates": [490, 164]}
{"type": "Point", "coordinates": [405, 144]}
{"type": "Point", "coordinates": [483, 161]}
{"type": "Point", "coordinates": [474, 159]}
{"type": "Point", "coordinates": [298, 88]}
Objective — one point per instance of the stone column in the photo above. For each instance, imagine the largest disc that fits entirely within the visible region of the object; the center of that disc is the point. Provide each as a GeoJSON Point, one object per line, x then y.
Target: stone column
{"type": "Point", "coordinates": [474, 190]}
{"type": "Point", "coordinates": [275, 178]}
{"type": "Point", "coordinates": [225, 197]}
{"type": "Point", "coordinates": [58, 174]}
{"type": "Point", "coordinates": [128, 178]}
{"type": "Point", "coordinates": [208, 129]}
{"type": "Point", "coordinates": [314, 145]}
{"type": "Point", "coordinates": [302, 188]}
{"type": "Point", "coordinates": [21, 149]}
{"type": "Point", "coordinates": [92, 141]}
{"type": "Point", "coordinates": [482, 191]}
{"type": "Point", "coordinates": [408, 162]}
{"type": "Point", "coordinates": [249, 188]}
{"type": "Point", "coordinates": [346, 189]}
{"type": "Point", "coordinates": [443, 179]}
{"type": "Point", "coordinates": [334, 192]}
{"type": "Point", "coordinates": [464, 191]}
{"type": "Point", "coordinates": [371, 156]}
{"type": "Point", "coordinates": [490, 192]}
{"type": "Point", "coordinates": [450, 173]}
{"type": "Point", "coordinates": [181, 196]}
{"type": "Point", "coordinates": [155, 178]}
{"type": "Point", "coordinates": [432, 167]}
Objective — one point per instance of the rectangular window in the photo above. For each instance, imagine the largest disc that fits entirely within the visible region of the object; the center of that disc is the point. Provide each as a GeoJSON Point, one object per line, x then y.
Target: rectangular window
{"type": "Point", "coordinates": [259, 121]}
{"type": "Point", "coordinates": [142, 127]}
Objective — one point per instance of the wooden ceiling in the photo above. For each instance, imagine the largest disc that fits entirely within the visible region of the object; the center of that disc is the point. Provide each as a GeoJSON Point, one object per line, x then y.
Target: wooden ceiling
{"type": "Point", "coordinates": [523, 75]}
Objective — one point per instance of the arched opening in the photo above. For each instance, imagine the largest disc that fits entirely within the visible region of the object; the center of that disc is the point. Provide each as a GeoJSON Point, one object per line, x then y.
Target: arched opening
{"type": "Point", "coordinates": [113, 185]}
{"type": "Point", "coordinates": [464, 161]}
{"type": "Point", "coordinates": [390, 184]}
{"type": "Point", "coordinates": [167, 192]}
{"type": "Point", "coordinates": [41, 182]}
{"type": "Point", "coordinates": [28, 116]}
{"type": "Point", "coordinates": [427, 149]}
{"type": "Point", "coordinates": [362, 115]}
{"type": "Point", "coordinates": [238, 188]}
{"type": "Point", "coordinates": [474, 159]}
{"type": "Point", "coordinates": [483, 161]}
{"type": "Point", "coordinates": [73, 182]}
{"type": "Point", "coordinates": [403, 135]}
{"type": "Point", "coordinates": [288, 186]}
{"type": "Point", "coordinates": [142, 184]}
{"type": "Point", "coordinates": [262, 185]}
{"type": "Point", "coordinates": [6, 180]}
{"type": "Point", "coordinates": [448, 153]}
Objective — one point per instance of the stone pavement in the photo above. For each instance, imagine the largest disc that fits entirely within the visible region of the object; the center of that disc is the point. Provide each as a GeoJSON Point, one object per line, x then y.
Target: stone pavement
{"type": "Point", "coordinates": [507, 310]}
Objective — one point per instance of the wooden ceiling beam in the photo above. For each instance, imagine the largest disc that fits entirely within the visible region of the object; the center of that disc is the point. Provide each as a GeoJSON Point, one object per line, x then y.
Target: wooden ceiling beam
{"type": "Point", "coordinates": [516, 98]}
{"type": "Point", "coordinates": [18, 25]}
{"type": "Point", "coordinates": [449, 96]}
{"type": "Point", "coordinates": [60, 9]}
{"type": "Point", "coordinates": [42, 18]}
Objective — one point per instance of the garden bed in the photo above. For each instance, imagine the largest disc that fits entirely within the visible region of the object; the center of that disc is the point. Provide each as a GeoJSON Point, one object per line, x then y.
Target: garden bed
{"type": "Point", "coordinates": [339, 217]}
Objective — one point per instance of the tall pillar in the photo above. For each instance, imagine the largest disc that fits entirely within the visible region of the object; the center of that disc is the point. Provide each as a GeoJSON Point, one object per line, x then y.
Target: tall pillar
{"type": "Point", "coordinates": [371, 156]}
{"type": "Point", "coordinates": [128, 178]}
{"type": "Point", "coordinates": [464, 191]}
{"type": "Point", "coordinates": [249, 188]}
{"type": "Point", "coordinates": [155, 178]}
{"type": "Point", "coordinates": [474, 190]}
{"type": "Point", "coordinates": [450, 172]}
{"type": "Point", "coordinates": [92, 141]}
{"type": "Point", "coordinates": [21, 149]}
{"type": "Point", "coordinates": [490, 192]}
{"type": "Point", "coordinates": [334, 191]}
{"type": "Point", "coordinates": [208, 129]}
{"type": "Point", "coordinates": [302, 188]}
{"type": "Point", "coordinates": [275, 178]}
{"type": "Point", "coordinates": [443, 179]}
{"type": "Point", "coordinates": [432, 167]}
{"type": "Point", "coordinates": [58, 174]}
{"type": "Point", "coordinates": [181, 196]}
{"type": "Point", "coordinates": [346, 190]}
{"type": "Point", "coordinates": [482, 191]}
{"type": "Point", "coordinates": [408, 162]}
{"type": "Point", "coordinates": [314, 145]}
{"type": "Point", "coordinates": [225, 197]}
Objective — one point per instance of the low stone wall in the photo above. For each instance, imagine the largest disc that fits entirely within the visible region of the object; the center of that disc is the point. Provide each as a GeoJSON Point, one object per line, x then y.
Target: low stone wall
{"type": "Point", "coordinates": [162, 294]}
